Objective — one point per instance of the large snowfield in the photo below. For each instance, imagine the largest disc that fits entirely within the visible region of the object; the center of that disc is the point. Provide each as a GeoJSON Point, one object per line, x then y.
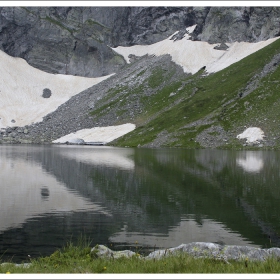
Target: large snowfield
{"type": "Point", "coordinates": [193, 55]}
{"type": "Point", "coordinates": [22, 86]}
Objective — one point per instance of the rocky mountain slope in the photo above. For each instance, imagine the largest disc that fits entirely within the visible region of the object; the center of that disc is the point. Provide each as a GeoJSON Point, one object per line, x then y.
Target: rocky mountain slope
{"type": "Point", "coordinates": [77, 40]}
{"type": "Point", "coordinates": [169, 106]}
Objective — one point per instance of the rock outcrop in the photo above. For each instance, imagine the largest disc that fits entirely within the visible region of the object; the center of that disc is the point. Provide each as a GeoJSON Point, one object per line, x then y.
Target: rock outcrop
{"type": "Point", "coordinates": [198, 250]}
{"type": "Point", "coordinates": [77, 40]}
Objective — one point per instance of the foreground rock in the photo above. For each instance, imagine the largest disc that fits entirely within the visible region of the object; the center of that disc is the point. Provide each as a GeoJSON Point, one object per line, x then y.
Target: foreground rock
{"type": "Point", "coordinates": [199, 250]}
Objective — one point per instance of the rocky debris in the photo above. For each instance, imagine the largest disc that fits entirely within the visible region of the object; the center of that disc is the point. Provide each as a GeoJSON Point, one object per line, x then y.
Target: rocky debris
{"type": "Point", "coordinates": [212, 137]}
{"type": "Point", "coordinates": [222, 47]}
{"type": "Point", "coordinates": [198, 250]}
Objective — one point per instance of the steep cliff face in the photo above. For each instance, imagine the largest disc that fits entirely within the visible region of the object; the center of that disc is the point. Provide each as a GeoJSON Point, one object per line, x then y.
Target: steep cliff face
{"type": "Point", "coordinates": [248, 24]}
{"type": "Point", "coordinates": [77, 40]}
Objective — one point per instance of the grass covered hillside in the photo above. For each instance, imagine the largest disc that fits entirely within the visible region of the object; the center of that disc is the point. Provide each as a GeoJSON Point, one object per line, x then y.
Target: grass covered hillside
{"type": "Point", "coordinates": [209, 110]}
{"type": "Point", "coordinates": [171, 108]}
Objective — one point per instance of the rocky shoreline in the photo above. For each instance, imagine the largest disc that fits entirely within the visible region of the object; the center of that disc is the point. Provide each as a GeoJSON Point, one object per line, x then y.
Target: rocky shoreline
{"type": "Point", "coordinates": [198, 250]}
{"type": "Point", "coordinates": [195, 249]}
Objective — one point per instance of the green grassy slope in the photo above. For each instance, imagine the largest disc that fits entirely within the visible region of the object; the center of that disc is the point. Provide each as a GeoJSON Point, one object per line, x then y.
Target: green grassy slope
{"type": "Point", "coordinates": [184, 109]}
{"type": "Point", "coordinates": [174, 109]}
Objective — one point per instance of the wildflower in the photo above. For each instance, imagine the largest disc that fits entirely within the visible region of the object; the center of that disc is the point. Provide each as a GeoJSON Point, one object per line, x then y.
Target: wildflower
{"type": "Point", "coordinates": [8, 272]}
{"type": "Point", "coordinates": [104, 267]}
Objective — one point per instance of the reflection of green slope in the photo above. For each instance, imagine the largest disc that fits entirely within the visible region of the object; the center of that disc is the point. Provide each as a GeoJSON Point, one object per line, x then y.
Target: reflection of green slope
{"type": "Point", "coordinates": [165, 191]}
{"type": "Point", "coordinates": [169, 184]}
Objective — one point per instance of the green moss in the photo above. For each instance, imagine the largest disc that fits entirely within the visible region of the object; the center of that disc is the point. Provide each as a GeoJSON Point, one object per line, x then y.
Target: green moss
{"type": "Point", "coordinates": [92, 23]}
{"type": "Point", "coordinates": [157, 78]}
{"type": "Point", "coordinates": [58, 23]}
{"type": "Point", "coordinates": [28, 11]}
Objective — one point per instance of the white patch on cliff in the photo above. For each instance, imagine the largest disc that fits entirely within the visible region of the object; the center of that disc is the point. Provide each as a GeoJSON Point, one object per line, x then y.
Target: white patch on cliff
{"type": "Point", "coordinates": [97, 134]}
{"type": "Point", "coordinates": [252, 134]}
{"type": "Point", "coordinates": [21, 89]}
{"type": "Point", "coordinates": [193, 55]}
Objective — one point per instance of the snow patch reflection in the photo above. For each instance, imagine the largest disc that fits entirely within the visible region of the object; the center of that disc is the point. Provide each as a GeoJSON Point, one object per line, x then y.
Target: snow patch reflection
{"type": "Point", "coordinates": [251, 162]}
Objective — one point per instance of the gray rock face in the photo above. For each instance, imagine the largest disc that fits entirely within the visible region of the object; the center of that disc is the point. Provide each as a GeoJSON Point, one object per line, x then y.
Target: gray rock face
{"type": "Point", "coordinates": [199, 250]}
{"type": "Point", "coordinates": [216, 251]}
{"type": "Point", "coordinates": [249, 24]}
{"type": "Point", "coordinates": [75, 40]}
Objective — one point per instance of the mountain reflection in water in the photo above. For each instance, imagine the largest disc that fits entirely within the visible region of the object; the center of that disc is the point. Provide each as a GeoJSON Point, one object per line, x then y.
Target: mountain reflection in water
{"type": "Point", "coordinates": [157, 197]}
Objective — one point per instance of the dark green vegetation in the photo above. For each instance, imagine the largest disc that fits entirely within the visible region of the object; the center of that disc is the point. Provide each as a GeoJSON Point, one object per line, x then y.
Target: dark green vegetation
{"type": "Point", "coordinates": [80, 259]}
{"type": "Point", "coordinates": [219, 105]}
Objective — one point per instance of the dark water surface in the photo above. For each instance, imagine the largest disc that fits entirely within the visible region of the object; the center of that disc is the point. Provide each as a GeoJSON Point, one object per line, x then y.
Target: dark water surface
{"type": "Point", "coordinates": [126, 198]}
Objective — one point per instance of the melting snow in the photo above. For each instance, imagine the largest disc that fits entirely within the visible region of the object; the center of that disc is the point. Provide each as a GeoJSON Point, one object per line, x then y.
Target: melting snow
{"type": "Point", "coordinates": [252, 134]}
{"type": "Point", "coordinates": [193, 55]}
{"type": "Point", "coordinates": [97, 134]}
{"type": "Point", "coordinates": [22, 86]}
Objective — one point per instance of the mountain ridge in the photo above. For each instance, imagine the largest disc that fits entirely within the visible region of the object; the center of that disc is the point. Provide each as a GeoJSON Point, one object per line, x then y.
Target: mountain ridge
{"type": "Point", "coordinates": [170, 107]}
{"type": "Point", "coordinates": [78, 40]}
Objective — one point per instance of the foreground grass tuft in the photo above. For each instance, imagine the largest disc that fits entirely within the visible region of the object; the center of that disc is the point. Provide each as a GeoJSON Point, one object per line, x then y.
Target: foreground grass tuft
{"type": "Point", "coordinates": [79, 259]}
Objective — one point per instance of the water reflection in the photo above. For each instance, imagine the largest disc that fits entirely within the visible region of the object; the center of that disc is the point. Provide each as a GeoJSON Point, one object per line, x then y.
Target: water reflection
{"type": "Point", "coordinates": [27, 191]}
{"type": "Point", "coordinates": [251, 161]}
{"type": "Point", "coordinates": [120, 158]}
{"type": "Point", "coordinates": [190, 230]}
{"type": "Point", "coordinates": [158, 197]}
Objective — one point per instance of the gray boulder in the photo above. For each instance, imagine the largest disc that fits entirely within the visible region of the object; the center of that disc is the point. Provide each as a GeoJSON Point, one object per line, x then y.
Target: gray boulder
{"type": "Point", "coordinates": [103, 252]}
{"type": "Point", "coordinates": [216, 251]}
{"type": "Point", "coordinates": [198, 250]}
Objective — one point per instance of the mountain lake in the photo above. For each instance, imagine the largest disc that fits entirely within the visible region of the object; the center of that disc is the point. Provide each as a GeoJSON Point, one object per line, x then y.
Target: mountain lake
{"type": "Point", "coordinates": [135, 198]}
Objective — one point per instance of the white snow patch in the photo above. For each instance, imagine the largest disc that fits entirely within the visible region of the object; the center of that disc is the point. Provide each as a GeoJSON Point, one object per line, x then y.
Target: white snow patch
{"type": "Point", "coordinates": [97, 134]}
{"type": "Point", "coordinates": [193, 55]}
{"type": "Point", "coordinates": [252, 134]}
{"type": "Point", "coordinates": [21, 89]}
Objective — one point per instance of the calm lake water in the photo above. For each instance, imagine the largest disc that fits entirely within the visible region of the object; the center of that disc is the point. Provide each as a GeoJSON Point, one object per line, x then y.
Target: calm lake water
{"type": "Point", "coordinates": [126, 198]}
